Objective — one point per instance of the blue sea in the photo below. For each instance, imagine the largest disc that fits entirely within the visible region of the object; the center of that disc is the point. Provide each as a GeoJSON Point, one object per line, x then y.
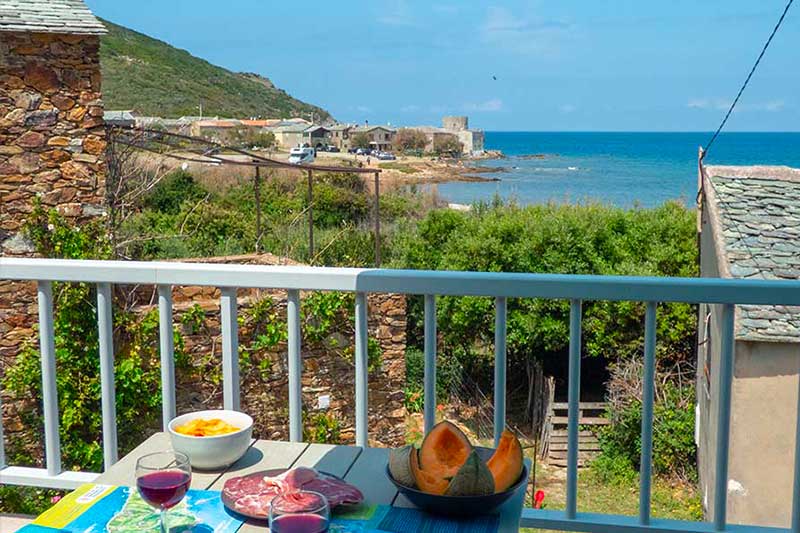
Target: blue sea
{"type": "Point", "coordinates": [623, 169]}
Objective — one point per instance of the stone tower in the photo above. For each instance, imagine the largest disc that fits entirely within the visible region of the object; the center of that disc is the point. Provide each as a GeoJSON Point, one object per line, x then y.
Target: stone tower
{"type": "Point", "coordinates": [455, 123]}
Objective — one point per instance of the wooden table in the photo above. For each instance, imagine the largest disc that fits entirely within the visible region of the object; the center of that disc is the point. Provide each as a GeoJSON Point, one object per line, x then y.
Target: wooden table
{"type": "Point", "coordinates": [363, 467]}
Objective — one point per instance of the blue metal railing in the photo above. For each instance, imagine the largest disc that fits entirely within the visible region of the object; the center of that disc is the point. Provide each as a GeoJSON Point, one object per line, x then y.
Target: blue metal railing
{"type": "Point", "coordinates": [500, 286]}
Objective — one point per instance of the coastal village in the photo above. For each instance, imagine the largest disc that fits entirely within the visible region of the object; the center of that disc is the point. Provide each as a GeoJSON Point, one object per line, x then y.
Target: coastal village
{"type": "Point", "coordinates": [296, 131]}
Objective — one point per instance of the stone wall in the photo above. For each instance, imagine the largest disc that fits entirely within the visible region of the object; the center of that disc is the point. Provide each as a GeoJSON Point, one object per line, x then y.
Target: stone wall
{"type": "Point", "coordinates": [327, 365]}
{"type": "Point", "coordinates": [51, 147]}
{"type": "Point", "coordinates": [51, 131]}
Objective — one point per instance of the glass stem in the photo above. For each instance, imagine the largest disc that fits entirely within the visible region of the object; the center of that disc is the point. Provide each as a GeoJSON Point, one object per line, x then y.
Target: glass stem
{"type": "Point", "coordinates": [163, 519]}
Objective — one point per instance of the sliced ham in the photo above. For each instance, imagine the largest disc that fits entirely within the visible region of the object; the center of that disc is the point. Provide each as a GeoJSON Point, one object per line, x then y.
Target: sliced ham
{"type": "Point", "coordinates": [252, 495]}
{"type": "Point", "coordinates": [337, 492]}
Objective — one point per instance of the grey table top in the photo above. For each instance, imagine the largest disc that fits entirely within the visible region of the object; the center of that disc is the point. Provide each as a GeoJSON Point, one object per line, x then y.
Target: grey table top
{"type": "Point", "coordinates": [363, 467]}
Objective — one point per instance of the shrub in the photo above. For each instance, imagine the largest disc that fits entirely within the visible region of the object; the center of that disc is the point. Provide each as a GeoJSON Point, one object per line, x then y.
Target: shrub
{"type": "Point", "coordinates": [170, 193]}
{"type": "Point", "coordinates": [673, 434]}
{"type": "Point", "coordinates": [408, 139]}
{"type": "Point", "coordinates": [76, 348]}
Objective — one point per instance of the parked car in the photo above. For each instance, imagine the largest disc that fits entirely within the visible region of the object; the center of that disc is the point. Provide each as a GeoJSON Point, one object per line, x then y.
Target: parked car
{"type": "Point", "coordinates": [363, 151]}
{"type": "Point", "coordinates": [385, 156]}
{"type": "Point", "coordinates": [334, 149]}
{"type": "Point", "coordinates": [352, 150]}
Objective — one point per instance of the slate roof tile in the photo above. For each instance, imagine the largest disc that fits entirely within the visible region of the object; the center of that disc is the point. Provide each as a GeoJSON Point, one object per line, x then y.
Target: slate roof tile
{"type": "Point", "coordinates": [49, 16]}
{"type": "Point", "coordinates": [759, 213]}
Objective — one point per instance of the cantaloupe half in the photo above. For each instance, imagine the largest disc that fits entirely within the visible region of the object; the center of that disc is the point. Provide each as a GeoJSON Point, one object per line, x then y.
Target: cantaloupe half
{"type": "Point", "coordinates": [426, 482]}
{"type": "Point", "coordinates": [444, 449]}
{"type": "Point", "coordinates": [506, 463]}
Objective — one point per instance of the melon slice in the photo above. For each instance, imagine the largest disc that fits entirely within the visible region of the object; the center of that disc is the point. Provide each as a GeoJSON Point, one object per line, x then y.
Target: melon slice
{"type": "Point", "coordinates": [473, 478]}
{"type": "Point", "coordinates": [444, 449]}
{"type": "Point", "coordinates": [400, 465]}
{"type": "Point", "coordinates": [506, 463]}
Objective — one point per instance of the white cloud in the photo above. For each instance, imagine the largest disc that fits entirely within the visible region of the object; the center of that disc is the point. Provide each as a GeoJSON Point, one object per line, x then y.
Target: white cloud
{"type": "Point", "coordinates": [720, 104]}
{"type": "Point", "coordinates": [567, 108]}
{"type": "Point", "coordinates": [363, 109]}
{"type": "Point", "coordinates": [495, 104]}
{"type": "Point", "coordinates": [521, 34]}
{"type": "Point", "coordinates": [409, 108]}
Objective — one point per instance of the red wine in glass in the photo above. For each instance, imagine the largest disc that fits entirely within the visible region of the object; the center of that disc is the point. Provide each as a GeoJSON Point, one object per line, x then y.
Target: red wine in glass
{"type": "Point", "coordinates": [164, 489]}
{"type": "Point", "coordinates": [163, 479]}
{"type": "Point", "coordinates": [301, 511]}
{"type": "Point", "coordinates": [299, 523]}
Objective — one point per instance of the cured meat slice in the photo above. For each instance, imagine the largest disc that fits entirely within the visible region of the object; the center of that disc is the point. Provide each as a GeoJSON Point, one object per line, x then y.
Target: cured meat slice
{"type": "Point", "coordinates": [251, 495]}
{"type": "Point", "coordinates": [337, 492]}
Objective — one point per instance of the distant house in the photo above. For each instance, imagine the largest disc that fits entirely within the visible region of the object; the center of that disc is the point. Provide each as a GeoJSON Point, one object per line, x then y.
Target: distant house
{"type": "Point", "coordinates": [380, 137]}
{"type": "Point", "coordinates": [317, 136]}
{"type": "Point", "coordinates": [750, 228]}
{"type": "Point", "coordinates": [290, 134]}
{"type": "Point", "coordinates": [217, 130]}
{"type": "Point", "coordinates": [340, 134]}
{"type": "Point", "coordinates": [435, 137]}
{"type": "Point", "coordinates": [123, 119]}
{"type": "Point", "coordinates": [453, 128]}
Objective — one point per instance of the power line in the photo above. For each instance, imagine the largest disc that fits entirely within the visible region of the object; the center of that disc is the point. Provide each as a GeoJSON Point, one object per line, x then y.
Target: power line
{"type": "Point", "coordinates": [747, 80]}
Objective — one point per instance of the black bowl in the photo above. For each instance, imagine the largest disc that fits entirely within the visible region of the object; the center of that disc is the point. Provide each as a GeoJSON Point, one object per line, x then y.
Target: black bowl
{"type": "Point", "coordinates": [460, 506]}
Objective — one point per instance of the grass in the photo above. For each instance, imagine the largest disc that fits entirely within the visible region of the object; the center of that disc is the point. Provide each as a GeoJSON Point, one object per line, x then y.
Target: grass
{"type": "Point", "coordinates": [154, 78]}
{"type": "Point", "coordinates": [401, 167]}
{"type": "Point", "coordinates": [675, 500]}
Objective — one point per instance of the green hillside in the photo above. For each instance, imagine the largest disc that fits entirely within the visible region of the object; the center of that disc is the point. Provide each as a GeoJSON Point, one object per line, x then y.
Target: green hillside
{"type": "Point", "coordinates": [154, 78]}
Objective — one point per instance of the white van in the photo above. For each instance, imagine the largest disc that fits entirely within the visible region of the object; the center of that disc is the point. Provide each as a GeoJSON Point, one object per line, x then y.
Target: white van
{"type": "Point", "coordinates": [302, 155]}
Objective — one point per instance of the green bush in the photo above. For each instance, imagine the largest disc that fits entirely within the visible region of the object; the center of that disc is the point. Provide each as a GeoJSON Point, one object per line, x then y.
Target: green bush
{"type": "Point", "coordinates": [76, 351]}
{"type": "Point", "coordinates": [172, 191]}
{"type": "Point", "coordinates": [565, 239]}
{"type": "Point", "coordinates": [674, 452]}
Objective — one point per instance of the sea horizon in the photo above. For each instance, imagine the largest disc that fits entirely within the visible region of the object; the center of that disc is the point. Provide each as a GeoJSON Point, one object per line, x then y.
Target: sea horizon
{"type": "Point", "coordinates": [620, 168]}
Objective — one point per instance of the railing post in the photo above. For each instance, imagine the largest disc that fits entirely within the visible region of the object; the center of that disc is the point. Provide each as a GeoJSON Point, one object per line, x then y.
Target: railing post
{"type": "Point", "coordinates": [499, 367]}
{"type": "Point", "coordinates": [573, 397]}
{"type": "Point", "coordinates": [295, 367]}
{"type": "Point", "coordinates": [52, 441]}
{"type": "Point", "coordinates": [430, 362]}
{"type": "Point", "coordinates": [230, 349]}
{"type": "Point", "coordinates": [648, 387]}
{"type": "Point", "coordinates": [362, 410]}
{"type": "Point", "coordinates": [724, 383]}
{"type": "Point", "coordinates": [108, 395]}
{"type": "Point", "coordinates": [166, 344]}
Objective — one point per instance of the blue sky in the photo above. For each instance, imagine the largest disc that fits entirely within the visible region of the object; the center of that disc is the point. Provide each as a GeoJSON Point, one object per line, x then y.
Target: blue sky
{"type": "Point", "coordinates": [570, 65]}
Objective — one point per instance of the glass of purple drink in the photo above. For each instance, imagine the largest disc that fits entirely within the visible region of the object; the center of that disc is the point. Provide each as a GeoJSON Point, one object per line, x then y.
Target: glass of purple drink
{"type": "Point", "coordinates": [302, 511]}
{"type": "Point", "coordinates": [163, 478]}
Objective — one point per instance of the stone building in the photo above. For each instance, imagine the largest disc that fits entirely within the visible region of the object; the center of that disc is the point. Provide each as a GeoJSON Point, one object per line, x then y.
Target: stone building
{"type": "Point", "coordinates": [51, 133]}
{"type": "Point", "coordinates": [750, 228]}
{"type": "Point", "coordinates": [453, 127]}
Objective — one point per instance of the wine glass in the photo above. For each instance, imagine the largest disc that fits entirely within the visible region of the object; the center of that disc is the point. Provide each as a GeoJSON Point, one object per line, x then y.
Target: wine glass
{"type": "Point", "coordinates": [303, 511]}
{"type": "Point", "coordinates": [163, 478]}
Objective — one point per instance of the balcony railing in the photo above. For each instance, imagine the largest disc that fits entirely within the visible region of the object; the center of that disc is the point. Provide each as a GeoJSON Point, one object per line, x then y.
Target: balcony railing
{"type": "Point", "coordinates": [576, 288]}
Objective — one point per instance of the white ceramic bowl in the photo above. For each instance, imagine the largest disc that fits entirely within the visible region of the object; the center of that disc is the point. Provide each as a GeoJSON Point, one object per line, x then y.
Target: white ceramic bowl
{"type": "Point", "coordinates": [214, 452]}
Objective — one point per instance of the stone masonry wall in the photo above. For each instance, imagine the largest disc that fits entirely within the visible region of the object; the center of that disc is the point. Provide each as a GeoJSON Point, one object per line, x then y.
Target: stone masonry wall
{"type": "Point", "coordinates": [51, 147]}
{"type": "Point", "coordinates": [327, 371]}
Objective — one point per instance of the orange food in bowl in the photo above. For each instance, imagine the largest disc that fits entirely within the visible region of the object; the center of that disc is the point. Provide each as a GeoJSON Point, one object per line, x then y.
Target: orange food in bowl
{"type": "Point", "coordinates": [206, 428]}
